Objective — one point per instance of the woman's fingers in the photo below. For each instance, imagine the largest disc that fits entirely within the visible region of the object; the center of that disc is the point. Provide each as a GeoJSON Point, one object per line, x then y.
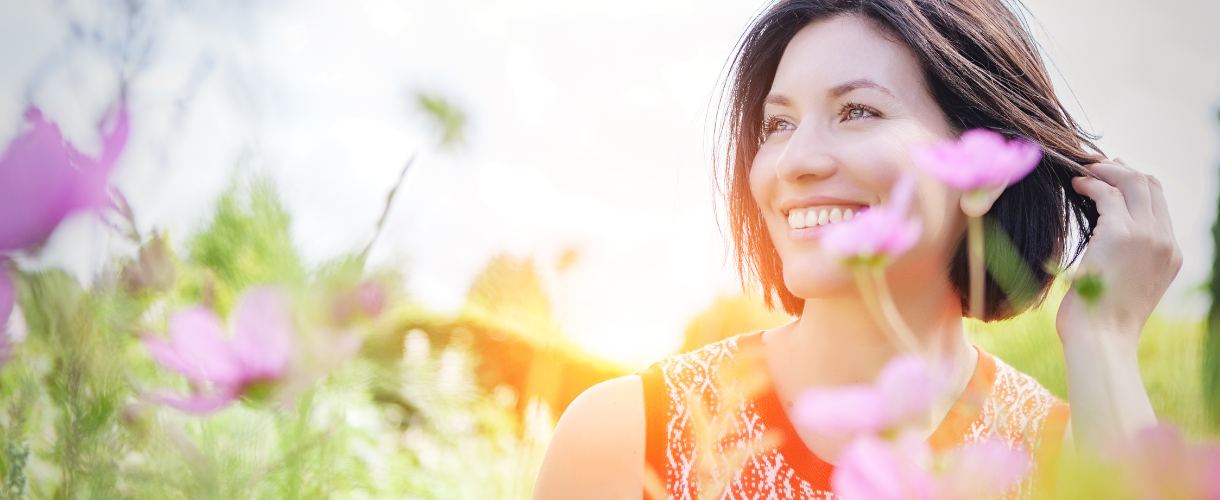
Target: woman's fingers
{"type": "Point", "coordinates": [1132, 184]}
{"type": "Point", "coordinates": [1160, 209]}
{"type": "Point", "coordinates": [1110, 202]}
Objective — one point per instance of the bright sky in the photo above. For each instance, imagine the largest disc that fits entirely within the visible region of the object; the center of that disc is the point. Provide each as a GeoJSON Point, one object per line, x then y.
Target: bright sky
{"type": "Point", "coordinates": [590, 127]}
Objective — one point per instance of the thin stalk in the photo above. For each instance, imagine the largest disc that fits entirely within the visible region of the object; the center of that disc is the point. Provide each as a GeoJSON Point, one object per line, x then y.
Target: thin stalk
{"type": "Point", "coordinates": [975, 232]}
{"type": "Point", "coordinates": [898, 327]}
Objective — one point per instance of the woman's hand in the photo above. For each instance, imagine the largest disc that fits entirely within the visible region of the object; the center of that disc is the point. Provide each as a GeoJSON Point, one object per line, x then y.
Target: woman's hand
{"type": "Point", "coordinates": [1129, 263]}
{"type": "Point", "coordinates": [1132, 256]}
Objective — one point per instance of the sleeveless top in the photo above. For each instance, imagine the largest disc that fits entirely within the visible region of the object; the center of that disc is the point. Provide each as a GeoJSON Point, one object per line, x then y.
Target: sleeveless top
{"type": "Point", "coordinates": [766, 456]}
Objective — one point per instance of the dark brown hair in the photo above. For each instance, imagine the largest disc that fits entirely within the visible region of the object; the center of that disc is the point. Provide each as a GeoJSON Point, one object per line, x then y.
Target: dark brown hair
{"type": "Point", "coordinates": [984, 71]}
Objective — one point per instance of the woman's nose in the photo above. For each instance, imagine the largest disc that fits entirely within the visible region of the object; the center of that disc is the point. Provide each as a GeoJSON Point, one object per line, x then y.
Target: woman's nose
{"type": "Point", "coordinates": [805, 156]}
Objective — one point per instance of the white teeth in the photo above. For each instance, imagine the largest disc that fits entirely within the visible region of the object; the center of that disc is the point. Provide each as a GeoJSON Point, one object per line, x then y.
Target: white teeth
{"type": "Point", "coordinates": [801, 218]}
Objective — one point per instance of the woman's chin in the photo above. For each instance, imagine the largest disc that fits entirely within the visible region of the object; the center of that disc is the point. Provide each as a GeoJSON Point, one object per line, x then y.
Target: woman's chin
{"type": "Point", "coordinates": [809, 280]}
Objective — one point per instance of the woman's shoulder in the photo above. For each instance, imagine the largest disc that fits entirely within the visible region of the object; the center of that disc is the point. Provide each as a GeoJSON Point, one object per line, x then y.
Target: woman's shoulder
{"type": "Point", "coordinates": [598, 443]}
{"type": "Point", "coordinates": [705, 360]}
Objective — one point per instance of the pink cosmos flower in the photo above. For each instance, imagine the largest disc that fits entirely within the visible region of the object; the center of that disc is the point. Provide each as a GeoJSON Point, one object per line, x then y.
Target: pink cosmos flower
{"type": "Point", "coordinates": [881, 231]}
{"type": "Point", "coordinates": [904, 391]}
{"type": "Point", "coordinates": [980, 158]}
{"type": "Point", "coordinates": [221, 369]}
{"type": "Point", "coordinates": [874, 469]}
{"type": "Point", "coordinates": [1164, 465]}
{"type": "Point", "coordinates": [44, 178]}
{"type": "Point", "coordinates": [985, 469]}
{"type": "Point", "coordinates": [367, 299]}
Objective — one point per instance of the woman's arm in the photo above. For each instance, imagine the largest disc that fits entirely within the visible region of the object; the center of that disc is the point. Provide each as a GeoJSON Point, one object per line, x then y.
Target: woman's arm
{"type": "Point", "coordinates": [1131, 259]}
{"type": "Point", "coordinates": [597, 450]}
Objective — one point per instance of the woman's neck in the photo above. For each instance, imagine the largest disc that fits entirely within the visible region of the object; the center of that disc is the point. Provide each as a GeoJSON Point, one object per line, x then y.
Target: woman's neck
{"type": "Point", "coordinates": [839, 340]}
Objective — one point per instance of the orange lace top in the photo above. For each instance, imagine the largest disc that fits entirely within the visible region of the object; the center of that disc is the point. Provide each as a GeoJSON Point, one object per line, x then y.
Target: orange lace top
{"type": "Point", "coordinates": [681, 394]}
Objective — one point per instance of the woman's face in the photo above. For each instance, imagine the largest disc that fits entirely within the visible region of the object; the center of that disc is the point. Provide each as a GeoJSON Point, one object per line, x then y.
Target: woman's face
{"type": "Point", "coordinates": [842, 115]}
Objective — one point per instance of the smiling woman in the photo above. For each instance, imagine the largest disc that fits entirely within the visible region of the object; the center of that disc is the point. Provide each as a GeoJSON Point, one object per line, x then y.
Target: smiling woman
{"type": "Point", "coordinates": [826, 103]}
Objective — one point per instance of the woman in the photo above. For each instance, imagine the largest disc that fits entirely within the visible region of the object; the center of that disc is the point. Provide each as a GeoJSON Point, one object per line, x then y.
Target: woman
{"type": "Point", "coordinates": [826, 100]}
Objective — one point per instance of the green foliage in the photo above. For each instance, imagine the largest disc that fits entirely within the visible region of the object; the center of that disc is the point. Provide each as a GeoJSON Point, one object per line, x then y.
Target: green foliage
{"type": "Point", "coordinates": [448, 119]}
{"type": "Point", "coordinates": [1168, 354]}
{"type": "Point", "coordinates": [1210, 373]}
{"type": "Point", "coordinates": [248, 242]}
{"type": "Point", "coordinates": [77, 421]}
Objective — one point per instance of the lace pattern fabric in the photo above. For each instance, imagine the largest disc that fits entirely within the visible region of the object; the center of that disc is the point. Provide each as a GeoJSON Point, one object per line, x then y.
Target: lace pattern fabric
{"type": "Point", "coordinates": [683, 397]}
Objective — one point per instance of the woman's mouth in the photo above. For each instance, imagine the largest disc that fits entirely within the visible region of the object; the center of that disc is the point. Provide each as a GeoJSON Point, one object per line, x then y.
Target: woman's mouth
{"type": "Point", "coordinates": [823, 215]}
{"type": "Point", "coordinates": [807, 223]}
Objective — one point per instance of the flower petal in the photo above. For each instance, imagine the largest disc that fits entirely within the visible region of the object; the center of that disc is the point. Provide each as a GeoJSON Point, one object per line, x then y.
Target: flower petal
{"type": "Point", "coordinates": [985, 469]}
{"type": "Point", "coordinates": [873, 469]}
{"type": "Point", "coordinates": [199, 404]}
{"type": "Point", "coordinates": [44, 178]}
{"type": "Point", "coordinates": [908, 388]}
{"type": "Point", "coordinates": [842, 410]}
{"type": "Point", "coordinates": [198, 340]}
{"type": "Point", "coordinates": [263, 333]}
{"type": "Point", "coordinates": [979, 158]}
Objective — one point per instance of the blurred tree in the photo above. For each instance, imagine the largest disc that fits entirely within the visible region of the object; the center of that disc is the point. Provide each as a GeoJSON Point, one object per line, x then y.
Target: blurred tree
{"type": "Point", "coordinates": [248, 242]}
{"type": "Point", "coordinates": [509, 291]}
{"type": "Point", "coordinates": [728, 316]}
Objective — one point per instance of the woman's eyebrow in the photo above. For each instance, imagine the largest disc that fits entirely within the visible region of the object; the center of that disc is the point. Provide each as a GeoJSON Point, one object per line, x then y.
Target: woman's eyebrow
{"type": "Point", "coordinates": [836, 91]}
{"type": "Point", "coordinates": [859, 83]}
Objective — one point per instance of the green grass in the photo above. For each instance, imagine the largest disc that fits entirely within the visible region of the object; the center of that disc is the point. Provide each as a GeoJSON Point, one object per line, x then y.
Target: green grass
{"type": "Point", "coordinates": [1169, 354]}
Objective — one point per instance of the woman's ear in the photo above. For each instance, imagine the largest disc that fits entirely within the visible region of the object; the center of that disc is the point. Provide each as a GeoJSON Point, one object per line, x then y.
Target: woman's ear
{"type": "Point", "coordinates": [977, 202]}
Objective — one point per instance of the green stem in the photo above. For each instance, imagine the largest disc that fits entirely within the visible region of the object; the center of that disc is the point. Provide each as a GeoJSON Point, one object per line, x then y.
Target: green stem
{"type": "Point", "coordinates": [900, 332]}
{"type": "Point", "coordinates": [868, 294]}
{"type": "Point", "coordinates": [977, 270]}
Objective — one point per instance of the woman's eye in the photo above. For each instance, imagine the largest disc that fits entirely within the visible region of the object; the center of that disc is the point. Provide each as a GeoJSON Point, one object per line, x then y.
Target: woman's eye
{"type": "Point", "coordinates": [774, 124]}
{"type": "Point", "coordinates": [854, 111]}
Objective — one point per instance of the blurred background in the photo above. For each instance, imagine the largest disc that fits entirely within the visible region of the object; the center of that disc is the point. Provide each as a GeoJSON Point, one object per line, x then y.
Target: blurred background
{"type": "Point", "coordinates": [585, 153]}
{"type": "Point", "coordinates": [558, 203]}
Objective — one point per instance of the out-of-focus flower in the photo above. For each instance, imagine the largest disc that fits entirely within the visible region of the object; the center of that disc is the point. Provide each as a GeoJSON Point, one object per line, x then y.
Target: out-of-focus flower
{"type": "Point", "coordinates": [853, 409]}
{"type": "Point", "coordinates": [879, 232]}
{"type": "Point", "coordinates": [367, 299]}
{"type": "Point", "coordinates": [1162, 465]}
{"type": "Point", "coordinates": [979, 159]}
{"type": "Point", "coordinates": [6, 309]}
{"type": "Point", "coordinates": [984, 469]}
{"type": "Point", "coordinates": [903, 392]}
{"type": "Point", "coordinates": [874, 469]}
{"type": "Point", "coordinates": [43, 178]}
{"type": "Point", "coordinates": [222, 369]}
{"type": "Point", "coordinates": [153, 269]}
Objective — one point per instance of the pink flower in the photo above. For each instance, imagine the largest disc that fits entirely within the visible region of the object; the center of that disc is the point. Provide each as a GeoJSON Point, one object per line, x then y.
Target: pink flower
{"type": "Point", "coordinates": [367, 299]}
{"type": "Point", "coordinates": [1163, 465]}
{"type": "Point", "coordinates": [221, 370]}
{"type": "Point", "coordinates": [882, 231]}
{"type": "Point", "coordinates": [980, 158]}
{"type": "Point", "coordinates": [874, 469]}
{"type": "Point", "coordinates": [45, 179]}
{"type": "Point", "coordinates": [985, 469]}
{"type": "Point", "coordinates": [855, 409]}
{"type": "Point", "coordinates": [904, 391]}
{"type": "Point", "coordinates": [909, 387]}
{"type": "Point", "coordinates": [1211, 473]}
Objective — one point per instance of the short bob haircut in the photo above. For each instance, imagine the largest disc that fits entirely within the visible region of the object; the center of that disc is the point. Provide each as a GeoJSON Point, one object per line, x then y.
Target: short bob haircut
{"type": "Point", "coordinates": [983, 69]}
